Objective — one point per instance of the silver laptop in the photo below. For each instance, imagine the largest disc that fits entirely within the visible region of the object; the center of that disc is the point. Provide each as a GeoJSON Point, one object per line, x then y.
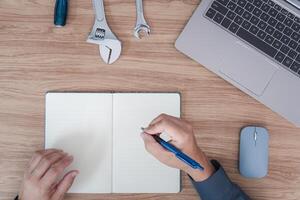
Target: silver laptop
{"type": "Point", "coordinates": [254, 45]}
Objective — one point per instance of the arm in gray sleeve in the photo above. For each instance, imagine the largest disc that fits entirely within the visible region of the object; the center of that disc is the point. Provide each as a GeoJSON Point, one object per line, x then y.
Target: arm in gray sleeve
{"type": "Point", "coordinates": [219, 186]}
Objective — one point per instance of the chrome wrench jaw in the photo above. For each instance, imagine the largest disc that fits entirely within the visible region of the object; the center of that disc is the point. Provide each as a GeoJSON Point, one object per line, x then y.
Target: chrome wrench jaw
{"type": "Point", "coordinates": [141, 24]}
{"type": "Point", "coordinates": [110, 51]}
{"type": "Point", "coordinates": [109, 45]}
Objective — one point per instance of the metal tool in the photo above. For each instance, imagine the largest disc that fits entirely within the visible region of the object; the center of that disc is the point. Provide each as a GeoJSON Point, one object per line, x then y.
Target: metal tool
{"type": "Point", "coordinates": [109, 45]}
{"type": "Point", "coordinates": [141, 24]}
{"type": "Point", "coordinates": [60, 13]}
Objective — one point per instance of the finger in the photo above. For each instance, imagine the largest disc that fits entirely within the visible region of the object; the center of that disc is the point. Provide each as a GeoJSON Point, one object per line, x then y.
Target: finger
{"type": "Point", "coordinates": [154, 148]}
{"type": "Point", "coordinates": [46, 162]}
{"type": "Point", "coordinates": [64, 185]}
{"type": "Point", "coordinates": [52, 190]}
{"type": "Point", "coordinates": [37, 156]}
{"type": "Point", "coordinates": [56, 170]}
{"type": "Point", "coordinates": [175, 120]}
{"type": "Point", "coordinates": [163, 125]}
{"type": "Point", "coordinates": [159, 118]}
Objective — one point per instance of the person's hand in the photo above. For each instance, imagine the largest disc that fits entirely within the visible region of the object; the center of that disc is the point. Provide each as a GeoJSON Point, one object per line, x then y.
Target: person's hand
{"type": "Point", "coordinates": [182, 137]}
{"type": "Point", "coordinates": [41, 178]}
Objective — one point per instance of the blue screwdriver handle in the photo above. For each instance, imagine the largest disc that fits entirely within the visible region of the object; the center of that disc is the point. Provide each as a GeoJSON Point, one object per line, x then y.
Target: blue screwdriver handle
{"type": "Point", "coordinates": [60, 13]}
{"type": "Point", "coordinates": [179, 154]}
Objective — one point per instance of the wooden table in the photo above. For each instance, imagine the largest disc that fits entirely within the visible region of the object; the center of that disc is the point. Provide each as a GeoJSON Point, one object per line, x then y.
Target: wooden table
{"type": "Point", "coordinates": [35, 58]}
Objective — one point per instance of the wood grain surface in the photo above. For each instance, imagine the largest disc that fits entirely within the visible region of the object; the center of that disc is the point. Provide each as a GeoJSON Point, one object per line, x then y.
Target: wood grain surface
{"type": "Point", "coordinates": [35, 58]}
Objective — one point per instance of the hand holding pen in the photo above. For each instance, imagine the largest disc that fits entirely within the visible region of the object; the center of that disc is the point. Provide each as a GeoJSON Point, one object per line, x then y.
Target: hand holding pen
{"type": "Point", "coordinates": [183, 139]}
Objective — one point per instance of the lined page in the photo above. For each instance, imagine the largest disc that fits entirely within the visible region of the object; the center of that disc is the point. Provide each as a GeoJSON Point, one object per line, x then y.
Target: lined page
{"type": "Point", "coordinates": [134, 169]}
{"type": "Point", "coordinates": [81, 124]}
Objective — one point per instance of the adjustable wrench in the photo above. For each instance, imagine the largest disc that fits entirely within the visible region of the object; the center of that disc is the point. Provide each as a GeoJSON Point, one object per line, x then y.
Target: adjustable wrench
{"type": "Point", "coordinates": [109, 45]}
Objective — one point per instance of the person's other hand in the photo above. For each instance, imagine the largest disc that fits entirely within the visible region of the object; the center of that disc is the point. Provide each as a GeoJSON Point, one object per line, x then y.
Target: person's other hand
{"type": "Point", "coordinates": [41, 178]}
{"type": "Point", "coordinates": [182, 137]}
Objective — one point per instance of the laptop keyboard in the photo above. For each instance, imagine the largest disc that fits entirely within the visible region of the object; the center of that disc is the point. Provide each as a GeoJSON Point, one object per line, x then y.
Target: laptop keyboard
{"type": "Point", "coordinates": [262, 24]}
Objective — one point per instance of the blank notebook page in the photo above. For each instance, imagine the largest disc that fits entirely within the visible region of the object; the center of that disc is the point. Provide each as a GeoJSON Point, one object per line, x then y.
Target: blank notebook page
{"type": "Point", "coordinates": [135, 170]}
{"type": "Point", "coordinates": [81, 124]}
{"type": "Point", "coordinates": [102, 132]}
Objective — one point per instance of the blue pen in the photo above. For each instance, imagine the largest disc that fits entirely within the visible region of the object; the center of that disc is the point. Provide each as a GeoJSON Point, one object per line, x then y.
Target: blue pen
{"type": "Point", "coordinates": [179, 154]}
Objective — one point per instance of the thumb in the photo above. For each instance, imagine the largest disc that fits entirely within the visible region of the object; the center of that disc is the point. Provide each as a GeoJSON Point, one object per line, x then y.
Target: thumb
{"type": "Point", "coordinates": [64, 185]}
{"type": "Point", "coordinates": [153, 147]}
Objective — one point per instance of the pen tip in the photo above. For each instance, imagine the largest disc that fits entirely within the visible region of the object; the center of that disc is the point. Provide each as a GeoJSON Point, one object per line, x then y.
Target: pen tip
{"type": "Point", "coordinates": [142, 128]}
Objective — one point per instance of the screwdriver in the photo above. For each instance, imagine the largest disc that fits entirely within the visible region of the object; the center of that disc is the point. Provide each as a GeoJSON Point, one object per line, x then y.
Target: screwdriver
{"type": "Point", "coordinates": [60, 13]}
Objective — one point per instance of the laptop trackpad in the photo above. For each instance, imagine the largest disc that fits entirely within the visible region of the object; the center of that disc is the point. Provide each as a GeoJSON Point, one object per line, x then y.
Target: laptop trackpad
{"type": "Point", "coordinates": [248, 68]}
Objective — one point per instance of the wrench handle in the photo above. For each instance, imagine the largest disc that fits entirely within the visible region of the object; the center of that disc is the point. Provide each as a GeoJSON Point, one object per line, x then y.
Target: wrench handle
{"type": "Point", "coordinates": [99, 9]}
{"type": "Point", "coordinates": [139, 6]}
{"type": "Point", "coordinates": [140, 12]}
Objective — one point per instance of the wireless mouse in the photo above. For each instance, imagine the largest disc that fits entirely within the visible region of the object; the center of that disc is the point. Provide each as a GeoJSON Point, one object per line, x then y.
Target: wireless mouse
{"type": "Point", "coordinates": [254, 152]}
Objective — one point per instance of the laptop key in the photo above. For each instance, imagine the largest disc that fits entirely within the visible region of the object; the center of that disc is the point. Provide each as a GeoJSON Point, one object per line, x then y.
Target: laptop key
{"type": "Point", "coordinates": [291, 15]}
{"type": "Point", "coordinates": [279, 57]}
{"type": "Point", "coordinates": [273, 12]}
{"type": "Point", "coordinates": [239, 20]}
{"type": "Point", "coordinates": [231, 15]}
{"type": "Point", "coordinates": [280, 26]}
{"type": "Point", "coordinates": [246, 25]}
{"type": "Point", "coordinates": [284, 49]}
{"type": "Point", "coordinates": [298, 49]}
{"type": "Point", "coordinates": [239, 10]}
{"type": "Point", "coordinates": [262, 25]}
{"type": "Point", "coordinates": [253, 40]}
{"type": "Point", "coordinates": [298, 58]}
{"type": "Point", "coordinates": [242, 3]}
{"type": "Point", "coordinates": [210, 13]}
{"type": "Point", "coordinates": [231, 6]}
{"type": "Point", "coordinates": [270, 30]}
{"type": "Point", "coordinates": [288, 22]}
{"type": "Point", "coordinates": [284, 11]}
{"type": "Point", "coordinates": [219, 7]}
{"type": "Point", "coordinates": [253, 29]}
{"type": "Point", "coordinates": [246, 15]}
{"type": "Point", "coordinates": [277, 7]}
{"type": "Point", "coordinates": [257, 3]}
{"type": "Point", "coordinates": [295, 36]}
{"type": "Point", "coordinates": [272, 21]}
{"type": "Point", "coordinates": [249, 7]}
{"type": "Point", "coordinates": [296, 26]}
{"type": "Point", "coordinates": [226, 22]}
{"type": "Point", "coordinates": [292, 54]}
{"type": "Point", "coordinates": [280, 17]}
{"type": "Point", "coordinates": [257, 12]}
{"type": "Point", "coordinates": [233, 27]}
{"type": "Point", "coordinates": [285, 39]}
{"type": "Point", "coordinates": [293, 44]}
{"type": "Point", "coordinates": [265, 7]}
{"type": "Point", "coordinates": [287, 31]}
{"type": "Point", "coordinates": [287, 62]}
{"type": "Point", "coordinates": [264, 17]}
{"type": "Point", "coordinates": [254, 20]}
{"type": "Point", "coordinates": [269, 39]}
{"type": "Point", "coordinates": [277, 35]}
{"type": "Point", "coordinates": [261, 34]}
{"type": "Point", "coordinates": [276, 44]}
{"type": "Point", "coordinates": [218, 18]}
{"type": "Point", "coordinates": [295, 67]}
{"type": "Point", "coordinates": [271, 3]}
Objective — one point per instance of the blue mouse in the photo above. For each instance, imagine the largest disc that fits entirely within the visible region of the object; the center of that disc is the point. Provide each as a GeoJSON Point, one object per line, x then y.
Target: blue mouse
{"type": "Point", "coordinates": [254, 152]}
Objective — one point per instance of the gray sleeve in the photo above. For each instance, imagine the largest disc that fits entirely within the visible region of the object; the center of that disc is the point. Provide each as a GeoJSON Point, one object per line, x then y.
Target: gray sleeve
{"type": "Point", "coordinates": [219, 186]}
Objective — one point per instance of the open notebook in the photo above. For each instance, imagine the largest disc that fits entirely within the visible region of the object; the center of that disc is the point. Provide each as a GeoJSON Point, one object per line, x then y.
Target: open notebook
{"type": "Point", "coordinates": [102, 132]}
